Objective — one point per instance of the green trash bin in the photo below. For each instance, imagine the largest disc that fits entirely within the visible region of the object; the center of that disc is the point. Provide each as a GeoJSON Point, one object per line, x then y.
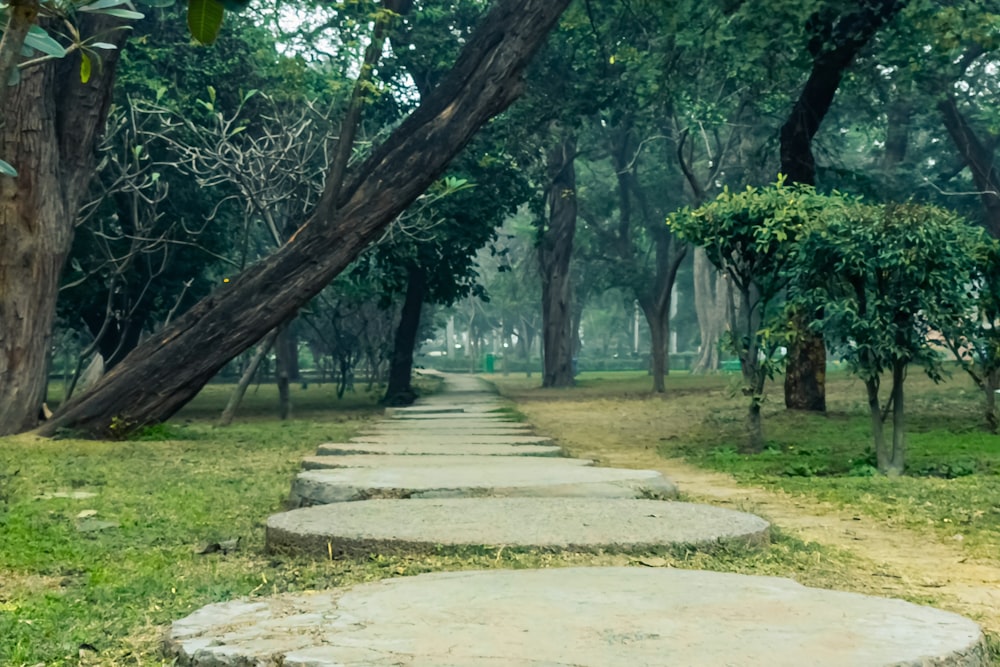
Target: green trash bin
{"type": "Point", "coordinates": [490, 363]}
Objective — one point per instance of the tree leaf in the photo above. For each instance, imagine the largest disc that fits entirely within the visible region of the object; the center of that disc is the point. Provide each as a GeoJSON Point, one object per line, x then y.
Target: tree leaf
{"type": "Point", "coordinates": [40, 40]}
{"type": "Point", "coordinates": [85, 67]}
{"type": "Point", "coordinates": [205, 19]}
{"type": "Point", "coordinates": [156, 3]}
{"type": "Point", "coordinates": [7, 169]}
{"type": "Point", "coordinates": [98, 5]}
{"type": "Point", "coordinates": [120, 13]}
{"type": "Point", "coordinates": [104, 45]}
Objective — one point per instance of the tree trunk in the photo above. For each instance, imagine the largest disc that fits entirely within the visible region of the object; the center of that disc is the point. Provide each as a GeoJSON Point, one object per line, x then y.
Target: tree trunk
{"type": "Point", "coordinates": [978, 158]}
{"type": "Point", "coordinates": [991, 384]}
{"type": "Point", "coordinates": [248, 374]}
{"type": "Point", "coordinates": [400, 391]}
{"type": "Point", "coordinates": [878, 427]}
{"type": "Point", "coordinates": [164, 373]}
{"type": "Point", "coordinates": [283, 372]}
{"type": "Point", "coordinates": [658, 319]}
{"type": "Point", "coordinates": [711, 297]}
{"type": "Point", "coordinates": [836, 43]}
{"type": "Point", "coordinates": [554, 253]}
{"type": "Point", "coordinates": [805, 375]}
{"type": "Point", "coordinates": [897, 458]}
{"type": "Point", "coordinates": [51, 123]}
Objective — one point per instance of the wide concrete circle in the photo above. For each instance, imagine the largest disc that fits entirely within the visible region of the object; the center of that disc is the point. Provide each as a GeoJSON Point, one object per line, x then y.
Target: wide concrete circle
{"type": "Point", "coordinates": [447, 429]}
{"type": "Point", "coordinates": [587, 617]}
{"type": "Point", "coordinates": [574, 524]}
{"type": "Point", "coordinates": [455, 438]}
{"type": "Point", "coordinates": [499, 476]}
{"type": "Point", "coordinates": [420, 449]}
{"type": "Point", "coordinates": [404, 461]}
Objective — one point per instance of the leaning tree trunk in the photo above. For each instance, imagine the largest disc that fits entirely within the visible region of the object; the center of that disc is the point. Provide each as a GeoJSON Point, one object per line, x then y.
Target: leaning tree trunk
{"type": "Point", "coordinates": [50, 129]}
{"type": "Point", "coordinates": [169, 369]}
{"type": "Point", "coordinates": [236, 397]}
{"type": "Point", "coordinates": [554, 253]}
{"type": "Point", "coordinates": [400, 390]}
{"type": "Point", "coordinates": [833, 49]}
{"type": "Point", "coordinates": [978, 157]}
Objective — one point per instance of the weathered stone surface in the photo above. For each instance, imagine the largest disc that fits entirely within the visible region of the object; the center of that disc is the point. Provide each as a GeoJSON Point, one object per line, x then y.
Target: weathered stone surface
{"type": "Point", "coordinates": [404, 447]}
{"type": "Point", "coordinates": [576, 524]}
{"type": "Point", "coordinates": [429, 436]}
{"type": "Point", "coordinates": [501, 476]}
{"type": "Point", "coordinates": [423, 409]}
{"type": "Point", "coordinates": [586, 617]}
{"type": "Point", "coordinates": [404, 461]}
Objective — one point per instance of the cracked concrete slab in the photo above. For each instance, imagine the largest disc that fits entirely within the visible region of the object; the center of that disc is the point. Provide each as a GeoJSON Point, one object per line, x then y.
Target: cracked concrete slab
{"type": "Point", "coordinates": [575, 524]}
{"type": "Point", "coordinates": [501, 476]}
{"type": "Point", "coordinates": [582, 617]}
{"type": "Point", "coordinates": [422, 449]}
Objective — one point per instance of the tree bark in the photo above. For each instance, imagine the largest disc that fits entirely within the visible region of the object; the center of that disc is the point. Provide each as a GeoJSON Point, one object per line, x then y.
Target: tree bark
{"type": "Point", "coordinates": [897, 458]}
{"type": "Point", "coordinates": [711, 296]}
{"type": "Point", "coordinates": [978, 158]}
{"type": "Point", "coordinates": [249, 372]}
{"type": "Point", "coordinates": [283, 372]}
{"type": "Point", "coordinates": [400, 390]}
{"type": "Point", "coordinates": [554, 253]}
{"type": "Point", "coordinates": [878, 426]}
{"type": "Point", "coordinates": [164, 373]}
{"type": "Point", "coordinates": [51, 125]}
{"type": "Point", "coordinates": [837, 41]}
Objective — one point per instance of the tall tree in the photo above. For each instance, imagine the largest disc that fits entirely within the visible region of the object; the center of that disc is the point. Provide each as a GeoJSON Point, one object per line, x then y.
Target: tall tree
{"type": "Point", "coordinates": [52, 121]}
{"type": "Point", "coordinates": [164, 373]}
{"type": "Point", "coordinates": [837, 38]}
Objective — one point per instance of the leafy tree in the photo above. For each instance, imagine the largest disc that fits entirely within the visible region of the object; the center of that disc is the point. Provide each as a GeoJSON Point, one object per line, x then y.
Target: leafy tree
{"type": "Point", "coordinates": [974, 338]}
{"type": "Point", "coordinates": [484, 81]}
{"type": "Point", "coordinates": [886, 277]}
{"type": "Point", "coordinates": [751, 236]}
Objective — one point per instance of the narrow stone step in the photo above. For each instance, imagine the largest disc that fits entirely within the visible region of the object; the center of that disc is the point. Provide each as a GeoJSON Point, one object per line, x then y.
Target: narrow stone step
{"type": "Point", "coordinates": [575, 524]}
{"type": "Point", "coordinates": [404, 461]}
{"type": "Point", "coordinates": [422, 449]}
{"type": "Point", "coordinates": [453, 438]}
{"type": "Point", "coordinates": [587, 617]}
{"type": "Point", "coordinates": [503, 476]}
{"type": "Point", "coordinates": [423, 410]}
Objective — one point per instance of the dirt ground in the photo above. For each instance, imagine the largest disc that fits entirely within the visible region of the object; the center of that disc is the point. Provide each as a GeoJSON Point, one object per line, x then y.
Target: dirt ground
{"type": "Point", "coordinates": [896, 562]}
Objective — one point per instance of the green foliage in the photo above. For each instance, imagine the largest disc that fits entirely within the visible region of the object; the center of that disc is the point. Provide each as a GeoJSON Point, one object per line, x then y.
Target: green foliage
{"type": "Point", "coordinates": [885, 277]}
{"type": "Point", "coordinates": [205, 19]}
{"type": "Point", "coordinates": [751, 236]}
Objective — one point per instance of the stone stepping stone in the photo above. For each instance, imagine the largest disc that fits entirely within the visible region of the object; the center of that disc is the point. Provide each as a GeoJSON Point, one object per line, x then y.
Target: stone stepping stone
{"type": "Point", "coordinates": [423, 410]}
{"type": "Point", "coordinates": [575, 524]}
{"type": "Point", "coordinates": [502, 476]}
{"type": "Point", "coordinates": [453, 429]}
{"type": "Point", "coordinates": [402, 461]}
{"type": "Point", "coordinates": [453, 438]}
{"type": "Point", "coordinates": [453, 416]}
{"type": "Point", "coordinates": [422, 449]}
{"type": "Point", "coordinates": [587, 617]}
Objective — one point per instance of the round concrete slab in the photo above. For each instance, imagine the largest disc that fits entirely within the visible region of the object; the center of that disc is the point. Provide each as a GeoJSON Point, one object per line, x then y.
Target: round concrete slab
{"type": "Point", "coordinates": [587, 617]}
{"type": "Point", "coordinates": [575, 524]}
{"type": "Point", "coordinates": [500, 476]}
{"type": "Point", "coordinates": [428, 436]}
{"type": "Point", "coordinates": [403, 461]}
{"type": "Point", "coordinates": [422, 449]}
{"type": "Point", "coordinates": [484, 427]}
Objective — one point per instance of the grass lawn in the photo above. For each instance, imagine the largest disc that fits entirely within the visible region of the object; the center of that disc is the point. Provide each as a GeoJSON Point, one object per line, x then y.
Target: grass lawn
{"type": "Point", "coordinates": [110, 570]}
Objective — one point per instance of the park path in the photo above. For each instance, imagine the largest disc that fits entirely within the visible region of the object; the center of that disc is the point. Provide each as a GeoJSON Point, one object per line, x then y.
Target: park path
{"type": "Point", "coordinates": [356, 499]}
{"type": "Point", "coordinates": [901, 561]}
